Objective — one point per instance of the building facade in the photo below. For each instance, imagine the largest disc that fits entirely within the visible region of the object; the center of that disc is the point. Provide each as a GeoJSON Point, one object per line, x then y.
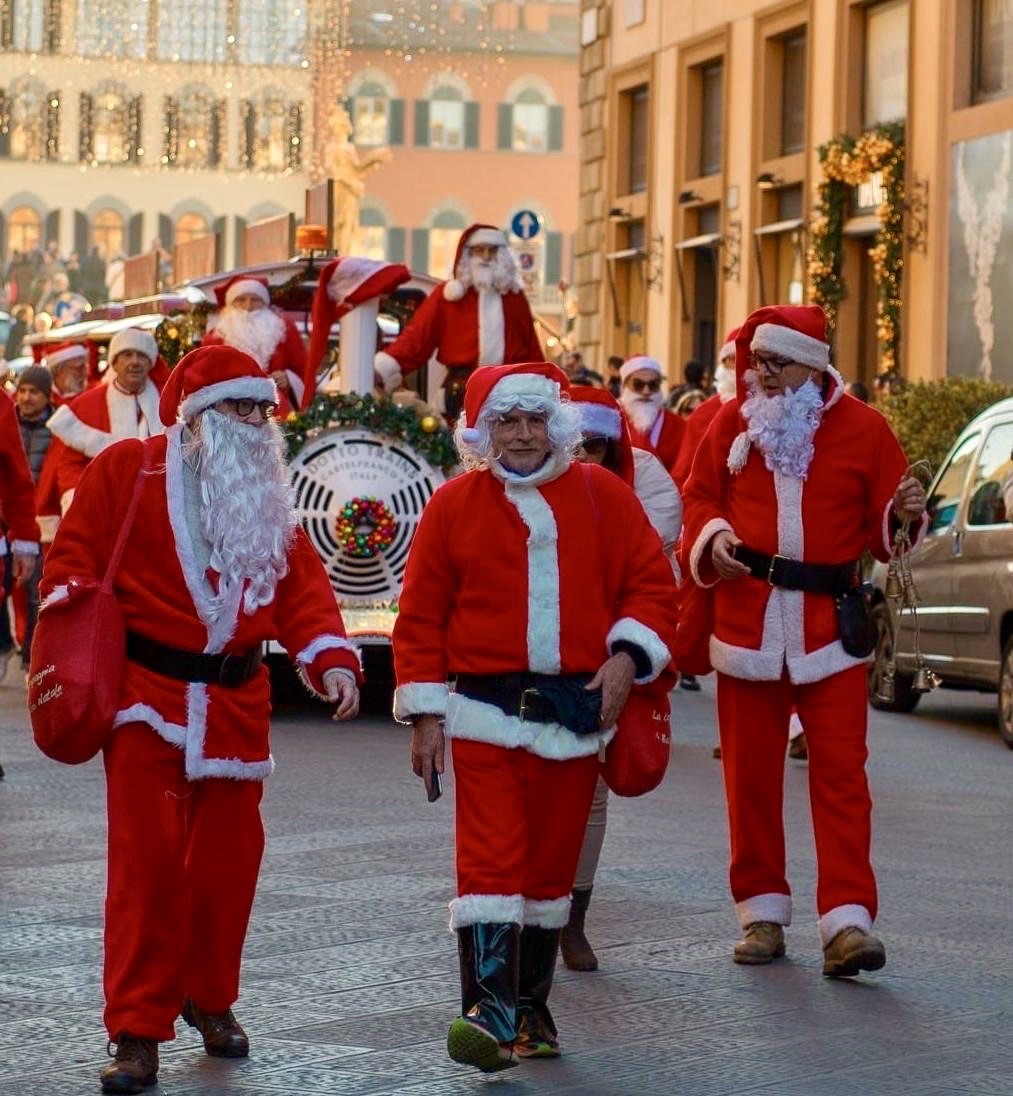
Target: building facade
{"type": "Point", "coordinates": [705, 193]}
{"type": "Point", "coordinates": [127, 121]}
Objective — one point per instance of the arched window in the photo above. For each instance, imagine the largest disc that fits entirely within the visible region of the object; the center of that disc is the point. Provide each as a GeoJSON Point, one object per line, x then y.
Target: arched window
{"type": "Point", "coordinates": [446, 118]}
{"type": "Point", "coordinates": [190, 226]}
{"type": "Point", "coordinates": [29, 106]}
{"type": "Point", "coordinates": [24, 229]}
{"type": "Point", "coordinates": [371, 237]}
{"type": "Point", "coordinates": [530, 122]}
{"type": "Point", "coordinates": [272, 32]}
{"type": "Point", "coordinates": [196, 106]}
{"type": "Point", "coordinates": [193, 30]}
{"type": "Point", "coordinates": [107, 233]}
{"type": "Point", "coordinates": [110, 126]}
{"type": "Point", "coordinates": [370, 114]}
{"type": "Point", "coordinates": [118, 29]}
{"type": "Point", "coordinates": [272, 139]}
{"type": "Point", "coordinates": [443, 236]}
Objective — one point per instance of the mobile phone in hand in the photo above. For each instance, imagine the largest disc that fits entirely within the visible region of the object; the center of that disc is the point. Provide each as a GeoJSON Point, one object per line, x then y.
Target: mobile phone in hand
{"type": "Point", "coordinates": [434, 789]}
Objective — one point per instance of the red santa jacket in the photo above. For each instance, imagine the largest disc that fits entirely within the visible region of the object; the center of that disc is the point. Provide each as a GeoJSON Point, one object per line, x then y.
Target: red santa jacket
{"type": "Point", "coordinates": [17, 491]}
{"type": "Point", "coordinates": [86, 425]}
{"type": "Point", "coordinates": [663, 442]}
{"type": "Point", "coordinates": [166, 597]}
{"type": "Point", "coordinates": [542, 574]}
{"type": "Point", "coordinates": [842, 508]}
{"type": "Point", "coordinates": [456, 331]}
{"type": "Point", "coordinates": [696, 426]}
{"type": "Point", "coordinates": [289, 357]}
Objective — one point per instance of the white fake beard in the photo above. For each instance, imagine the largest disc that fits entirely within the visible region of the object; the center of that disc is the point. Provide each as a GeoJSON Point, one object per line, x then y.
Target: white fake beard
{"type": "Point", "coordinates": [642, 410]}
{"type": "Point", "coordinates": [724, 382]}
{"type": "Point", "coordinates": [782, 427]}
{"type": "Point", "coordinates": [255, 333]}
{"type": "Point", "coordinates": [499, 274]}
{"type": "Point", "coordinates": [247, 505]}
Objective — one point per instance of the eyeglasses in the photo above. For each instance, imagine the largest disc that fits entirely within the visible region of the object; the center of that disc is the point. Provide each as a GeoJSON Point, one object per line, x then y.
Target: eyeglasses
{"type": "Point", "coordinates": [246, 407]}
{"type": "Point", "coordinates": [594, 447]}
{"type": "Point", "coordinates": [773, 366]}
{"type": "Point", "coordinates": [639, 385]}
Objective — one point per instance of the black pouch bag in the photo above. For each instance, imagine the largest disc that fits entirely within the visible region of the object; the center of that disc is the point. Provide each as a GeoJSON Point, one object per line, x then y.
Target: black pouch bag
{"type": "Point", "coordinates": [854, 619]}
{"type": "Point", "coordinates": [576, 707]}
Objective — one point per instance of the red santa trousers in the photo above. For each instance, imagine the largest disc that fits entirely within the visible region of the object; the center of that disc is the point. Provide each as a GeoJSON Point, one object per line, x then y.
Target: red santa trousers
{"type": "Point", "coordinates": [183, 863]}
{"type": "Point", "coordinates": [520, 825]}
{"type": "Point", "coordinates": [753, 721]}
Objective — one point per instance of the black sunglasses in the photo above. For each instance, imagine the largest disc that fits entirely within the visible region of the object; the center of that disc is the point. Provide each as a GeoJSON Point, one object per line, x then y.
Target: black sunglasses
{"type": "Point", "coordinates": [594, 447]}
{"type": "Point", "coordinates": [773, 366]}
{"type": "Point", "coordinates": [639, 385]}
{"type": "Point", "coordinates": [245, 407]}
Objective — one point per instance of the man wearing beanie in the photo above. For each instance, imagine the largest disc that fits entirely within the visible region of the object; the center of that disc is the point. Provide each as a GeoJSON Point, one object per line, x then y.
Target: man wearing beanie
{"type": "Point", "coordinates": [215, 565]}
{"type": "Point", "coordinates": [652, 426]}
{"type": "Point", "coordinates": [507, 597]}
{"type": "Point", "coordinates": [479, 317]}
{"type": "Point", "coordinates": [792, 483]}
{"type": "Point", "coordinates": [125, 406]}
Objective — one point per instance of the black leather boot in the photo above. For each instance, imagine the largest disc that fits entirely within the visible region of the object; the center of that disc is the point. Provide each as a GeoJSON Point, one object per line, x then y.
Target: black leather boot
{"type": "Point", "coordinates": [536, 1030]}
{"type": "Point", "coordinates": [577, 952]}
{"type": "Point", "coordinates": [483, 1035]}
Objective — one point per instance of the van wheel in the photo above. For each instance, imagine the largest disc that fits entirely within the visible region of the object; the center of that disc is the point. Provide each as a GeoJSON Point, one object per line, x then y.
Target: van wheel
{"type": "Point", "coordinates": [1006, 694]}
{"type": "Point", "coordinates": [905, 698]}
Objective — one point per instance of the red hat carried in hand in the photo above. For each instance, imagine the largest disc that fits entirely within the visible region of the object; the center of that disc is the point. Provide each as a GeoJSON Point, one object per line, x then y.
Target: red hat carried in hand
{"type": "Point", "coordinates": [209, 374]}
{"type": "Point", "coordinates": [529, 383]}
{"type": "Point", "coordinates": [601, 417]}
{"type": "Point", "coordinates": [472, 236]}
{"type": "Point", "coordinates": [239, 285]}
{"type": "Point", "coordinates": [344, 284]}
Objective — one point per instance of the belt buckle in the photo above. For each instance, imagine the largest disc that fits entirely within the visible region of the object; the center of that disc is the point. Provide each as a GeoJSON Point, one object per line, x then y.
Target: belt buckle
{"type": "Point", "coordinates": [231, 673]}
{"type": "Point", "coordinates": [525, 695]}
{"type": "Point", "coordinates": [770, 570]}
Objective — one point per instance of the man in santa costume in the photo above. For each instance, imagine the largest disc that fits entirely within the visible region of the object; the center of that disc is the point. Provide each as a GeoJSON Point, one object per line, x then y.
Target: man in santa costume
{"type": "Point", "coordinates": [791, 484]}
{"type": "Point", "coordinates": [505, 594]}
{"type": "Point", "coordinates": [480, 317]}
{"type": "Point", "coordinates": [68, 366]}
{"type": "Point", "coordinates": [703, 416]}
{"type": "Point", "coordinates": [215, 565]}
{"type": "Point", "coordinates": [124, 406]}
{"type": "Point", "coordinates": [247, 321]}
{"type": "Point", "coordinates": [652, 426]}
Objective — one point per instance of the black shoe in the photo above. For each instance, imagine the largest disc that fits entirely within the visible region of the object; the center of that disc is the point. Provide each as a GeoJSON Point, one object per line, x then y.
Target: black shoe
{"type": "Point", "coordinates": [536, 1030]}
{"type": "Point", "coordinates": [689, 683]}
{"type": "Point", "coordinates": [798, 750]}
{"type": "Point", "coordinates": [716, 753]}
{"type": "Point", "coordinates": [577, 951]}
{"type": "Point", "coordinates": [483, 1035]}
{"type": "Point", "coordinates": [222, 1033]}
{"type": "Point", "coordinates": [135, 1065]}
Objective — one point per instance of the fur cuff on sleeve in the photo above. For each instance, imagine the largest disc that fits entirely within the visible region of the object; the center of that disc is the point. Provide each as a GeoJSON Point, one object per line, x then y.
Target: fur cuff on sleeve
{"type": "Point", "coordinates": [715, 525]}
{"type": "Point", "coordinates": [648, 640]}
{"type": "Point", "coordinates": [420, 698]}
{"type": "Point", "coordinates": [389, 369]}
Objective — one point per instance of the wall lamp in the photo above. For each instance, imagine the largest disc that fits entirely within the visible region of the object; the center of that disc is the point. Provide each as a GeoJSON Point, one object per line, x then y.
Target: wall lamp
{"type": "Point", "coordinates": [617, 213]}
{"type": "Point", "coordinates": [767, 180]}
{"type": "Point", "coordinates": [690, 197]}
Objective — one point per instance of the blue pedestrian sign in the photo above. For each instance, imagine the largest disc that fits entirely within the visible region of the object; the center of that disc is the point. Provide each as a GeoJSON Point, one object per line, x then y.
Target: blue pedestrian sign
{"type": "Point", "coordinates": [525, 225]}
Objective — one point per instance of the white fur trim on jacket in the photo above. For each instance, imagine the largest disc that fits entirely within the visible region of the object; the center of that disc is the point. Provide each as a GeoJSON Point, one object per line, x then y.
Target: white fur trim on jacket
{"type": "Point", "coordinates": [493, 909]}
{"type": "Point", "coordinates": [241, 388]}
{"type": "Point", "coordinates": [491, 328]}
{"type": "Point", "coordinates": [843, 917]}
{"type": "Point", "coordinates": [420, 698]}
{"type": "Point", "coordinates": [472, 719]}
{"type": "Point", "coordinates": [306, 656]}
{"type": "Point", "coordinates": [547, 913]}
{"type": "Point", "coordinates": [789, 343]}
{"type": "Point", "coordinates": [123, 413]}
{"type": "Point", "coordinates": [76, 434]}
{"type": "Point", "coordinates": [647, 639]}
{"type": "Point", "coordinates": [56, 595]}
{"type": "Point", "coordinates": [601, 421]}
{"type": "Point", "coordinates": [25, 547]}
{"type": "Point", "coordinates": [715, 525]}
{"type": "Point", "coordinates": [764, 907]}
{"type": "Point", "coordinates": [389, 370]}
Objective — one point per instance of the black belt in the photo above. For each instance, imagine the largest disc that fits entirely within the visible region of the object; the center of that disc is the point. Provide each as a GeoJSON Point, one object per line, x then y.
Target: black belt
{"type": "Point", "coordinates": [229, 670]}
{"type": "Point", "coordinates": [793, 574]}
{"type": "Point", "coordinates": [516, 694]}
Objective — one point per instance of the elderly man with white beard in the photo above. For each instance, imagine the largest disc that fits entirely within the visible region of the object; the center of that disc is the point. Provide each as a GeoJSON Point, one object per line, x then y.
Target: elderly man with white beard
{"type": "Point", "coordinates": [652, 426]}
{"type": "Point", "coordinates": [215, 564]}
{"type": "Point", "coordinates": [791, 484]}
{"type": "Point", "coordinates": [480, 317]}
{"type": "Point", "coordinates": [247, 321]}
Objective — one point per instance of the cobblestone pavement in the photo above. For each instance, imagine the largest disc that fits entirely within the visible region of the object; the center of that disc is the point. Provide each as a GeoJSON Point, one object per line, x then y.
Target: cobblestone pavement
{"type": "Point", "coordinates": [350, 973]}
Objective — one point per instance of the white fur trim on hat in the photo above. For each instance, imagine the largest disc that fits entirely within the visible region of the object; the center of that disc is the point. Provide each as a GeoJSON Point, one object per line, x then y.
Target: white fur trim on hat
{"type": "Point", "coordinates": [241, 388]}
{"type": "Point", "coordinates": [67, 354]}
{"type": "Point", "coordinates": [792, 344]}
{"type": "Point", "coordinates": [738, 452]}
{"type": "Point", "coordinates": [486, 237]}
{"type": "Point", "coordinates": [728, 349]}
{"type": "Point", "coordinates": [599, 420]}
{"type": "Point", "coordinates": [641, 361]}
{"type": "Point", "coordinates": [521, 386]}
{"type": "Point", "coordinates": [133, 338]}
{"type": "Point", "coordinates": [247, 285]}
{"type": "Point", "coordinates": [454, 290]}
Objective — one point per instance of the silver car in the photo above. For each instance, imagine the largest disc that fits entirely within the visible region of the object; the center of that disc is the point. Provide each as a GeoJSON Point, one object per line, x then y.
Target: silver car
{"type": "Point", "coordinates": [963, 572]}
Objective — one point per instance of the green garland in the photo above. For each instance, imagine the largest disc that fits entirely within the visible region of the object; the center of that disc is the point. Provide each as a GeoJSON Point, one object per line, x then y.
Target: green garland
{"type": "Point", "coordinates": [380, 416]}
{"type": "Point", "coordinates": [181, 332]}
{"type": "Point", "coordinates": [846, 163]}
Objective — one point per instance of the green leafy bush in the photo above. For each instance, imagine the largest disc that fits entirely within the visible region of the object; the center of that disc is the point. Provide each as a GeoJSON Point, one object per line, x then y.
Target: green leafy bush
{"type": "Point", "coordinates": [928, 416]}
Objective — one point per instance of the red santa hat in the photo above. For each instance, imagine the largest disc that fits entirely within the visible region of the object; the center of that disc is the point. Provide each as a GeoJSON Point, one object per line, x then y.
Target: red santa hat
{"type": "Point", "coordinates": [473, 236]}
{"type": "Point", "coordinates": [238, 286]}
{"type": "Point", "coordinates": [343, 284]}
{"type": "Point", "coordinates": [209, 374]}
{"type": "Point", "coordinates": [522, 382]}
{"type": "Point", "coordinates": [728, 346]}
{"type": "Point", "coordinates": [601, 416]}
{"type": "Point", "coordinates": [66, 352]}
{"type": "Point", "coordinates": [641, 361]}
{"type": "Point", "coordinates": [133, 338]}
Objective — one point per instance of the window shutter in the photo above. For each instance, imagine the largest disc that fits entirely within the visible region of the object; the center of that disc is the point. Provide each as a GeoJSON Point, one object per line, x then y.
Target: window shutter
{"type": "Point", "coordinates": [135, 112]}
{"type": "Point", "coordinates": [553, 257]}
{"type": "Point", "coordinates": [216, 132]}
{"type": "Point", "coordinates": [395, 245]}
{"type": "Point", "coordinates": [86, 131]}
{"type": "Point", "coordinates": [420, 250]}
{"type": "Point", "coordinates": [166, 232]}
{"type": "Point", "coordinates": [82, 232]}
{"type": "Point", "coordinates": [505, 126]}
{"type": "Point", "coordinates": [170, 138]}
{"type": "Point", "coordinates": [53, 226]}
{"type": "Point", "coordinates": [240, 232]}
{"type": "Point", "coordinates": [135, 234]}
{"type": "Point", "coordinates": [421, 122]}
{"type": "Point", "coordinates": [218, 230]}
{"type": "Point", "coordinates": [53, 126]}
{"type": "Point", "coordinates": [471, 125]}
{"type": "Point", "coordinates": [395, 122]}
{"type": "Point", "coordinates": [248, 114]}
{"type": "Point", "coordinates": [555, 129]}
{"type": "Point", "coordinates": [6, 24]}
{"type": "Point", "coordinates": [5, 124]}
{"type": "Point", "coordinates": [53, 28]}
{"type": "Point", "coordinates": [3, 234]}
{"type": "Point", "coordinates": [293, 136]}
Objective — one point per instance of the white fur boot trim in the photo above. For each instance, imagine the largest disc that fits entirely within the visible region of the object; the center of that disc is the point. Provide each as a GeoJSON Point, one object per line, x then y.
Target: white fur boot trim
{"type": "Point", "coordinates": [547, 913]}
{"type": "Point", "coordinates": [764, 907]}
{"type": "Point", "coordinates": [495, 909]}
{"type": "Point", "coordinates": [843, 917]}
